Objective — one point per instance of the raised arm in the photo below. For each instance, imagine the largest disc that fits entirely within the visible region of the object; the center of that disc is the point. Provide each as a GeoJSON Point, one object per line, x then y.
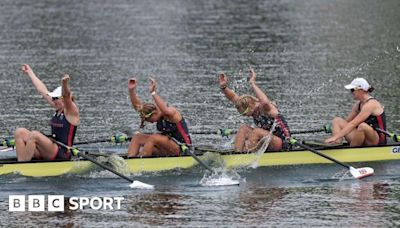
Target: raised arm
{"type": "Point", "coordinates": [267, 105]}
{"type": "Point", "coordinates": [71, 111]}
{"type": "Point", "coordinates": [136, 103]}
{"type": "Point", "coordinates": [223, 84]}
{"type": "Point", "coordinates": [39, 85]}
{"type": "Point", "coordinates": [170, 112]}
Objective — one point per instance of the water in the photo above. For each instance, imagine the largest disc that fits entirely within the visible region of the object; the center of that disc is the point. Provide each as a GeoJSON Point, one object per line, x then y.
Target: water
{"type": "Point", "coordinates": [303, 53]}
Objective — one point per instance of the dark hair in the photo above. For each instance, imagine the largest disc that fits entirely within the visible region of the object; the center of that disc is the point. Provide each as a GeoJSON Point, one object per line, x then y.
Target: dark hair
{"type": "Point", "coordinates": [370, 89]}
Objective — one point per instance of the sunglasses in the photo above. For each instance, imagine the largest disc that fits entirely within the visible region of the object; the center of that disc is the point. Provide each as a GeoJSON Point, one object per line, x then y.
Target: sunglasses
{"type": "Point", "coordinates": [55, 98]}
{"type": "Point", "coordinates": [245, 111]}
{"type": "Point", "coordinates": [354, 89]}
{"type": "Point", "coordinates": [148, 115]}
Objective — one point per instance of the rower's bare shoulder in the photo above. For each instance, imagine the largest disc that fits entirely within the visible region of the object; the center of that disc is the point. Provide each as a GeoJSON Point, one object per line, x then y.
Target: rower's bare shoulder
{"type": "Point", "coordinates": [372, 104]}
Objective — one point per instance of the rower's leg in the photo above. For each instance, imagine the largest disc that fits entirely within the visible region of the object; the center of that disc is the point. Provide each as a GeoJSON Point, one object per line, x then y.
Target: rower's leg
{"type": "Point", "coordinates": [254, 138]}
{"type": "Point", "coordinates": [21, 137]}
{"type": "Point", "coordinates": [241, 137]}
{"type": "Point", "coordinates": [137, 141]}
{"type": "Point", "coordinates": [364, 135]}
{"type": "Point", "coordinates": [276, 144]}
{"type": "Point", "coordinates": [42, 145]}
{"type": "Point", "coordinates": [337, 125]}
{"type": "Point", "coordinates": [164, 146]}
{"type": "Point", "coordinates": [161, 145]}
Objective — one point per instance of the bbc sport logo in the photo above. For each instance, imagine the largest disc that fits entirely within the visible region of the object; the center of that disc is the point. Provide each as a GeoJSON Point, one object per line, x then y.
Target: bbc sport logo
{"type": "Point", "coordinates": [57, 203]}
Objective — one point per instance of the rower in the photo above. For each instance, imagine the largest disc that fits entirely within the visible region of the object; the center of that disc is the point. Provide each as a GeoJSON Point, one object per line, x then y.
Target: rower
{"type": "Point", "coordinates": [170, 123]}
{"type": "Point", "coordinates": [34, 144]}
{"type": "Point", "coordinates": [265, 114]}
{"type": "Point", "coordinates": [367, 114]}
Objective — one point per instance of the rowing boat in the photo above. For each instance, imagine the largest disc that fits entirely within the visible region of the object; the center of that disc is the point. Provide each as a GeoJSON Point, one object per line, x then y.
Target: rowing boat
{"type": "Point", "coordinates": [229, 159]}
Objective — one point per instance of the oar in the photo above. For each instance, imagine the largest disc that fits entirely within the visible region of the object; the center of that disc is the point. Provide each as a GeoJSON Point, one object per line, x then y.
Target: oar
{"type": "Point", "coordinates": [213, 150]}
{"type": "Point", "coordinates": [119, 138]}
{"type": "Point", "coordinates": [309, 131]}
{"type": "Point", "coordinates": [394, 136]}
{"type": "Point", "coordinates": [356, 172]}
{"type": "Point", "coordinates": [213, 182]}
{"type": "Point", "coordinates": [77, 152]}
{"type": "Point", "coordinates": [226, 131]}
{"type": "Point", "coordinates": [190, 151]}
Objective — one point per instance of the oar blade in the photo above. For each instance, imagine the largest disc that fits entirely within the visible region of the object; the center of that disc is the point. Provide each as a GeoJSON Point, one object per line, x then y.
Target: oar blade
{"type": "Point", "coordinates": [140, 185]}
{"type": "Point", "coordinates": [360, 173]}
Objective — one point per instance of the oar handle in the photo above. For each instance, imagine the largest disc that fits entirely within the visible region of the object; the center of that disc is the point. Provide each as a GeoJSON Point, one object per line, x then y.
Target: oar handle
{"type": "Point", "coordinates": [120, 138]}
{"type": "Point", "coordinates": [395, 137]}
{"type": "Point", "coordinates": [8, 142]}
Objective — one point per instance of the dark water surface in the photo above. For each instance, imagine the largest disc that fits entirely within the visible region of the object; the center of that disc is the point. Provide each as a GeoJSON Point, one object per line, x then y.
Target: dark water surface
{"type": "Point", "coordinates": [303, 53]}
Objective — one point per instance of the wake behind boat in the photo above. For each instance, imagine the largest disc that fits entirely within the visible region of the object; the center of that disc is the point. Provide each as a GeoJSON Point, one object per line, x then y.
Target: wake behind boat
{"type": "Point", "coordinates": [228, 159]}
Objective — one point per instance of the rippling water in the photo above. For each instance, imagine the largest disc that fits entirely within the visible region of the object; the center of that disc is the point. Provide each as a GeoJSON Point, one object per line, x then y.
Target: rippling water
{"type": "Point", "coordinates": [303, 53]}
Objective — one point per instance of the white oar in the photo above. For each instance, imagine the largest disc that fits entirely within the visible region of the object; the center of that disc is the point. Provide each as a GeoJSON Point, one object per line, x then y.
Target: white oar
{"type": "Point", "coordinates": [356, 172]}
{"type": "Point", "coordinates": [77, 152]}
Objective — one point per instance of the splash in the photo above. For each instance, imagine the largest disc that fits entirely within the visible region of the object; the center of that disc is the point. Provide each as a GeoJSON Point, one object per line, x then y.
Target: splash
{"type": "Point", "coordinates": [343, 174]}
{"type": "Point", "coordinates": [264, 145]}
{"type": "Point", "coordinates": [119, 164]}
{"type": "Point", "coordinates": [221, 177]}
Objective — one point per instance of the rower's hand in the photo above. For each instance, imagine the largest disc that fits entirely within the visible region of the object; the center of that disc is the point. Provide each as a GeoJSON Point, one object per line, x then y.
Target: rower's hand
{"type": "Point", "coordinates": [65, 78]}
{"type": "Point", "coordinates": [132, 83]}
{"type": "Point", "coordinates": [330, 140]}
{"type": "Point", "coordinates": [26, 69]}
{"type": "Point", "coordinates": [223, 80]}
{"type": "Point", "coordinates": [252, 76]}
{"type": "Point", "coordinates": [153, 85]}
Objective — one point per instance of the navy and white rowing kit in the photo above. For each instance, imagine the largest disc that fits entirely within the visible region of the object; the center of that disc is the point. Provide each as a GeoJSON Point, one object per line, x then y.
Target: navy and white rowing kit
{"type": "Point", "coordinates": [62, 131]}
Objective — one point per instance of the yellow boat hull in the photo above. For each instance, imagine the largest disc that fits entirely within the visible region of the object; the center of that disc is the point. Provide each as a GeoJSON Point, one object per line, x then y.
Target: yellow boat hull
{"type": "Point", "coordinates": [155, 164]}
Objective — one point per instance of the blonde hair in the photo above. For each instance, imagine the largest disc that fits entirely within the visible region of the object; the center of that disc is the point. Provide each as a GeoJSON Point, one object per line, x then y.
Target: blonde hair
{"type": "Point", "coordinates": [146, 109]}
{"type": "Point", "coordinates": [244, 101]}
